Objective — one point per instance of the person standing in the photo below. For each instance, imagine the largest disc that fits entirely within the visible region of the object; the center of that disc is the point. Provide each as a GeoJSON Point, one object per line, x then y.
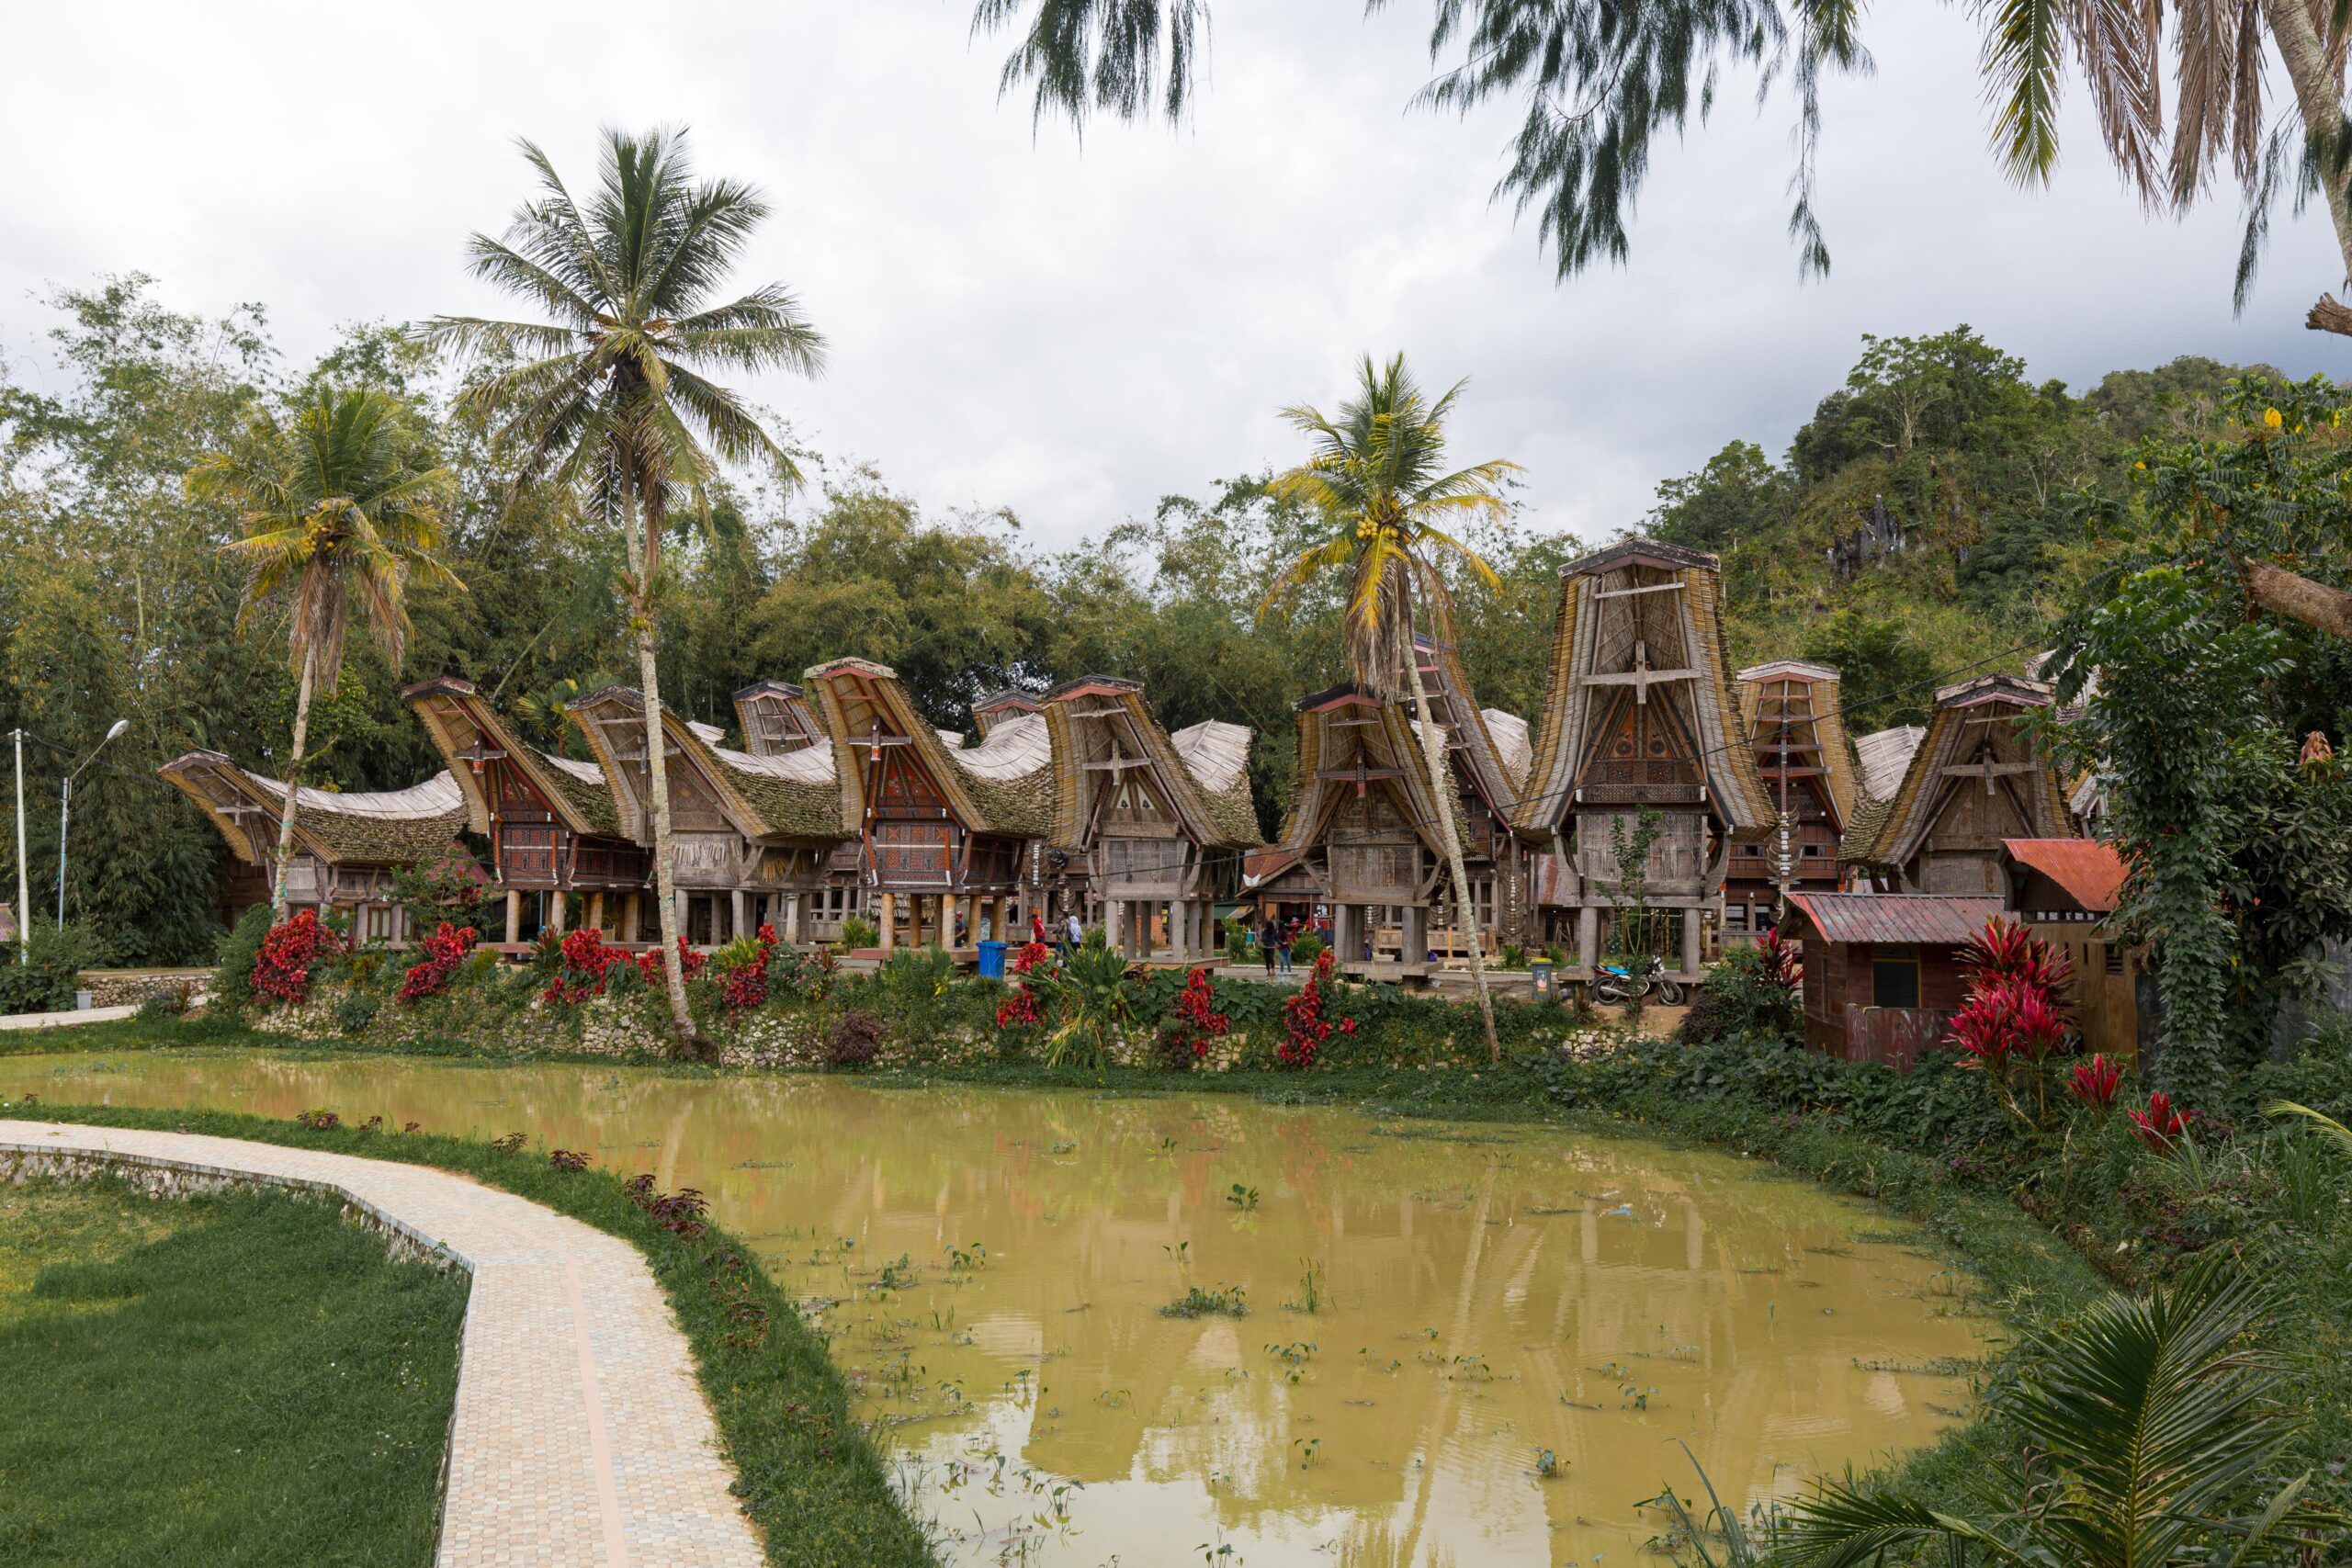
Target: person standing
{"type": "Point", "coordinates": [1037, 928]}
{"type": "Point", "coordinates": [1073, 934]}
{"type": "Point", "coordinates": [1266, 942]}
{"type": "Point", "coordinates": [1282, 934]}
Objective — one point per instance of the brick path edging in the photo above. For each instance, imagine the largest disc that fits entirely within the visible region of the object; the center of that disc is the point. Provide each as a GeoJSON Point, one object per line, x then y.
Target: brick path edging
{"type": "Point", "coordinates": [579, 1437]}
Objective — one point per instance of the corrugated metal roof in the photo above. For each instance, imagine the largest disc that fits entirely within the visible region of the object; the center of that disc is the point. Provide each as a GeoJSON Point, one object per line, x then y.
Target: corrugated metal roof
{"type": "Point", "coordinates": [1931, 917]}
{"type": "Point", "coordinates": [2087, 868]}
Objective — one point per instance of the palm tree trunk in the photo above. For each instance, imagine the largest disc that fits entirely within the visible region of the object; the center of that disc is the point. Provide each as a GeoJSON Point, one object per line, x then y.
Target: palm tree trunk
{"type": "Point", "coordinates": [665, 904]}
{"type": "Point", "coordinates": [293, 783]}
{"type": "Point", "coordinates": [1441, 791]}
{"type": "Point", "coordinates": [2320, 100]}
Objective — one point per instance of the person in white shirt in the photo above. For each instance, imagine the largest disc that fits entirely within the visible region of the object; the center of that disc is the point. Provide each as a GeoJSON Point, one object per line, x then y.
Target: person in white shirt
{"type": "Point", "coordinates": [1072, 933]}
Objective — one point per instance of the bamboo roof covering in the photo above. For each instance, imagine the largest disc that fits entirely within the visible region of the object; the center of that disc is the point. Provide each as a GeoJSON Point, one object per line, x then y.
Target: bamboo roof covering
{"type": "Point", "coordinates": [399, 827]}
{"type": "Point", "coordinates": [1454, 706]}
{"type": "Point", "coordinates": [1001, 704]}
{"type": "Point", "coordinates": [1642, 615]}
{"type": "Point", "coordinates": [1966, 725]}
{"type": "Point", "coordinates": [1805, 697]}
{"type": "Point", "coordinates": [774, 716]}
{"type": "Point", "coordinates": [1003, 786]}
{"type": "Point", "coordinates": [1885, 756]}
{"type": "Point", "coordinates": [469, 732]}
{"type": "Point", "coordinates": [1098, 721]}
{"type": "Point", "coordinates": [791, 795]}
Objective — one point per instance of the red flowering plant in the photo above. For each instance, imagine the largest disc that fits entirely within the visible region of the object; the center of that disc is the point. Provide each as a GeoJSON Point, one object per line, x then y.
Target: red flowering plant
{"type": "Point", "coordinates": [800, 974]}
{"type": "Point", "coordinates": [2161, 1126]}
{"type": "Point", "coordinates": [2016, 1019]}
{"type": "Point", "coordinates": [584, 965]}
{"type": "Point", "coordinates": [291, 953]}
{"type": "Point", "coordinates": [744, 982]}
{"type": "Point", "coordinates": [2094, 1083]}
{"type": "Point", "coordinates": [690, 965]}
{"type": "Point", "coordinates": [444, 949]}
{"type": "Point", "coordinates": [1304, 1028]}
{"type": "Point", "coordinates": [1183, 1039]}
{"type": "Point", "coordinates": [1033, 961]}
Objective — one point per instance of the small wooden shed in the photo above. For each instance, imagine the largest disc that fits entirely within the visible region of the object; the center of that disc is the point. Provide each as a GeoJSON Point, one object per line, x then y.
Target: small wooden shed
{"type": "Point", "coordinates": [2063, 890]}
{"type": "Point", "coordinates": [1881, 970]}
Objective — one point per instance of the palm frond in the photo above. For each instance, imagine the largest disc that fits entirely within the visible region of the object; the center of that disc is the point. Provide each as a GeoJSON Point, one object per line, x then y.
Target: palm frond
{"type": "Point", "coordinates": [2335, 1132]}
{"type": "Point", "coordinates": [2021, 61]}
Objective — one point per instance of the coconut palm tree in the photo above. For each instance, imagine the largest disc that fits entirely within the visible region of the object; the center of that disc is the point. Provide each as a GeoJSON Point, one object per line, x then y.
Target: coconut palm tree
{"type": "Point", "coordinates": [1378, 480]}
{"type": "Point", "coordinates": [2148, 1430]}
{"type": "Point", "coordinates": [336, 515]}
{"type": "Point", "coordinates": [611, 394]}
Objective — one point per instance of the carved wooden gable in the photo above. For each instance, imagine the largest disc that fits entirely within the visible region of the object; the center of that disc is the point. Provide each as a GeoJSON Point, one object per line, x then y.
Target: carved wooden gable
{"type": "Point", "coordinates": [1641, 753]}
{"type": "Point", "coordinates": [1373, 854]}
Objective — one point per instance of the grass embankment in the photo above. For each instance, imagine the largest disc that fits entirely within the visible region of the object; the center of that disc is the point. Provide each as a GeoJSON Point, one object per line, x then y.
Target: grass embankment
{"type": "Point", "coordinates": [806, 1473]}
{"type": "Point", "coordinates": [235, 1378]}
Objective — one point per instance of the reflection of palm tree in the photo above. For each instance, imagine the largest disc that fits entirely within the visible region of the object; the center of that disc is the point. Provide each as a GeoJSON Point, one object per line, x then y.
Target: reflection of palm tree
{"type": "Point", "coordinates": [1434, 1434]}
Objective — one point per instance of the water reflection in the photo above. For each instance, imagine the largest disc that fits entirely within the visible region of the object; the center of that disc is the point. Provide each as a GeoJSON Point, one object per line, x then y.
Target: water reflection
{"type": "Point", "coordinates": [991, 1266]}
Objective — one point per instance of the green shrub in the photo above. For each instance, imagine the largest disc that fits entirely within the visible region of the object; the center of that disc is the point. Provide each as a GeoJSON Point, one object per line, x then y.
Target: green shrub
{"type": "Point", "coordinates": [355, 1012]}
{"type": "Point", "coordinates": [1511, 957]}
{"type": "Point", "coordinates": [858, 931]}
{"type": "Point", "coordinates": [43, 981]}
{"type": "Point", "coordinates": [1307, 950]}
{"type": "Point", "coordinates": [1741, 998]}
{"type": "Point", "coordinates": [161, 1007]}
{"type": "Point", "coordinates": [232, 987]}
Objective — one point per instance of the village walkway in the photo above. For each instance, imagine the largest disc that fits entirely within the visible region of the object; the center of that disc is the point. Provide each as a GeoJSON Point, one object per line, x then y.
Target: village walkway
{"type": "Point", "coordinates": [581, 1439]}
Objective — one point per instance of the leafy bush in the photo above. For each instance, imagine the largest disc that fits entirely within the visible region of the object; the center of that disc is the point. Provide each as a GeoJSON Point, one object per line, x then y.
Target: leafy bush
{"type": "Point", "coordinates": [798, 975]}
{"type": "Point", "coordinates": [1751, 993]}
{"type": "Point", "coordinates": [162, 1006]}
{"type": "Point", "coordinates": [857, 931]}
{"type": "Point", "coordinates": [44, 981]}
{"type": "Point", "coordinates": [355, 1010]}
{"type": "Point", "coordinates": [1511, 957]}
{"type": "Point", "coordinates": [1307, 948]}
{"type": "Point", "coordinates": [855, 1042]}
{"type": "Point", "coordinates": [744, 969]}
{"type": "Point", "coordinates": [232, 985]}
{"type": "Point", "coordinates": [450, 889]}
{"type": "Point", "coordinates": [1090, 997]}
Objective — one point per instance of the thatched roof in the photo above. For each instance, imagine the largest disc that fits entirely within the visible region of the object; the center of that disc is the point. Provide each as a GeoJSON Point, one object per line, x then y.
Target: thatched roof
{"type": "Point", "coordinates": [1885, 756]}
{"type": "Point", "coordinates": [1956, 730]}
{"type": "Point", "coordinates": [1652, 604]}
{"type": "Point", "coordinates": [1090, 719]}
{"type": "Point", "coordinates": [1811, 708]}
{"type": "Point", "coordinates": [1343, 728]}
{"type": "Point", "coordinates": [791, 795]}
{"type": "Point", "coordinates": [1003, 786]}
{"type": "Point", "coordinates": [399, 827]}
{"type": "Point", "coordinates": [467, 732]}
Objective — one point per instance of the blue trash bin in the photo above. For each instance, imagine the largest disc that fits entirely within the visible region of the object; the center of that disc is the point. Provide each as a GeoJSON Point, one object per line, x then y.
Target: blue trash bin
{"type": "Point", "coordinates": [992, 960]}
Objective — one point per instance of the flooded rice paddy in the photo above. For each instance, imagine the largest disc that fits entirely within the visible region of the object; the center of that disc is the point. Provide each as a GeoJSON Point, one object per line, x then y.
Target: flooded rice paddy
{"type": "Point", "coordinates": [1460, 1344]}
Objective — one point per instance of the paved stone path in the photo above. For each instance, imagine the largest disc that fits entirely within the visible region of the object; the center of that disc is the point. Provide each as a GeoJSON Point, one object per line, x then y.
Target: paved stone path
{"type": "Point", "coordinates": [581, 1440]}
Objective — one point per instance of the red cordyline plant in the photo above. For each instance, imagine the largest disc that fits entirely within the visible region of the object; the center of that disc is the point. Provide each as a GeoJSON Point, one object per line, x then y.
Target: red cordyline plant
{"type": "Point", "coordinates": [2015, 1017]}
{"type": "Point", "coordinates": [746, 985]}
{"type": "Point", "coordinates": [2094, 1083]}
{"type": "Point", "coordinates": [290, 952]}
{"type": "Point", "coordinates": [587, 961]}
{"type": "Point", "coordinates": [1021, 1009]}
{"type": "Point", "coordinates": [2161, 1126]}
{"type": "Point", "coordinates": [1781, 965]}
{"type": "Point", "coordinates": [444, 949]}
{"type": "Point", "coordinates": [1305, 1029]}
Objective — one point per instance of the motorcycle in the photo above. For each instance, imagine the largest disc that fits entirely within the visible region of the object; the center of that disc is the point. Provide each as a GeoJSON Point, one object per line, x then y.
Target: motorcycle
{"type": "Point", "coordinates": [1618, 984]}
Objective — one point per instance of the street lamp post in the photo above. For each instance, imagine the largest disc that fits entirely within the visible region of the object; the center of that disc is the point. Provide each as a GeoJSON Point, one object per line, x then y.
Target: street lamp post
{"type": "Point", "coordinates": [65, 811]}
{"type": "Point", "coordinates": [24, 882]}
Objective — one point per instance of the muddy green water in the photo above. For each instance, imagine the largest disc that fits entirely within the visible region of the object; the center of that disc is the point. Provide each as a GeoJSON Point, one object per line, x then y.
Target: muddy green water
{"type": "Point", "coordinates": [991, 1266]}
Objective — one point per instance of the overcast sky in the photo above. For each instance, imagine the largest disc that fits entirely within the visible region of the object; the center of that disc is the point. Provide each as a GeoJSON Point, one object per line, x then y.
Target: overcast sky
{"type": "Point", "coordinates": [1016, 320]}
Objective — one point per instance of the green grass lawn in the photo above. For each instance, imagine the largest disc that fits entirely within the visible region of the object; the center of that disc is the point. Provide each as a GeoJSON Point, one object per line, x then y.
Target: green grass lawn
{"type": "Point", "coordinates": [235, 1378]}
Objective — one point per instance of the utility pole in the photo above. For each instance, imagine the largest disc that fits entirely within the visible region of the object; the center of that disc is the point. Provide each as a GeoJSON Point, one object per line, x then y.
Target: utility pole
{"type": "Point", "coordinates": [24, 885]}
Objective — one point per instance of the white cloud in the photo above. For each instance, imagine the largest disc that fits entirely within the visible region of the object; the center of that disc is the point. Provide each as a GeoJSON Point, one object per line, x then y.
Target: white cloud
{"type": "Point", "coordinates": [1074, 332]}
